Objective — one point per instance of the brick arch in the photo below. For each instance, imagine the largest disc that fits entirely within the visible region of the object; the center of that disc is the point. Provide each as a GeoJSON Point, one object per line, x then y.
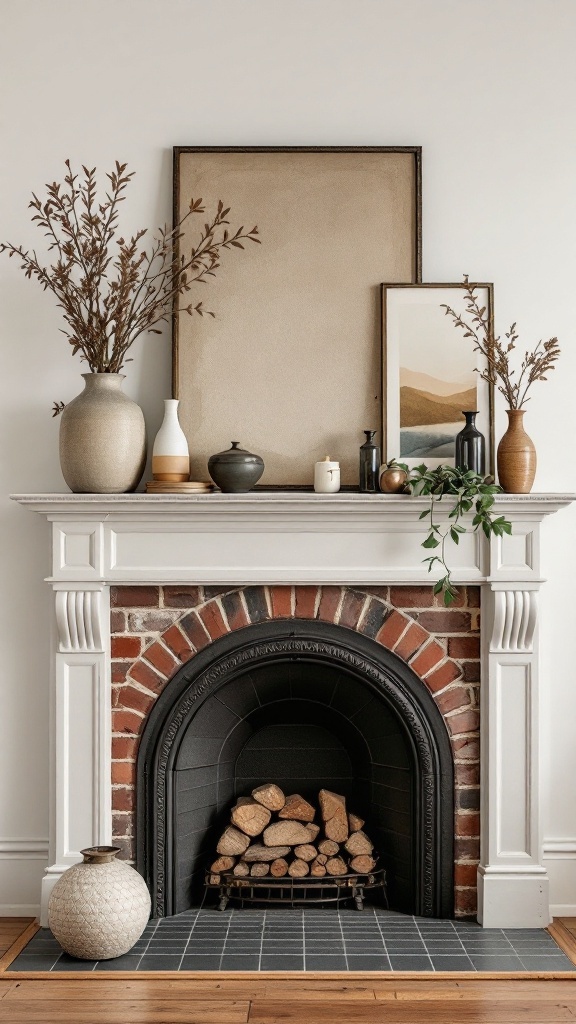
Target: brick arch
{"type": "Point", "coordinates": [174, 623]}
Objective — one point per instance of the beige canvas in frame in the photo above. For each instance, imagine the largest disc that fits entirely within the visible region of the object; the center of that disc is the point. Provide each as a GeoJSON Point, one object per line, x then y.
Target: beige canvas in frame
{"type": "Point", "coordinates": [290, 365]}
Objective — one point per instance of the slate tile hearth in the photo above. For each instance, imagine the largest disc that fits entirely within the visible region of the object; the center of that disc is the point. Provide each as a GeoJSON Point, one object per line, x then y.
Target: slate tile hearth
{"type": "Point", "coordinates": [312, 940]}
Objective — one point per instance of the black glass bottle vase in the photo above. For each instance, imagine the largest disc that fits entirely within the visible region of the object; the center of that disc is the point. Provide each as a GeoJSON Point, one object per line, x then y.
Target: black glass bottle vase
{"type": "Point", "coordinates": [471, 446]}
{"type": "Point", "coordinates": [369, 464]}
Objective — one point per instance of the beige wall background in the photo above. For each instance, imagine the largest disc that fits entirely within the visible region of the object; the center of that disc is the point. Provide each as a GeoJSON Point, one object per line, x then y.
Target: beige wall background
{"type": "Point", "coordinates": [489, 92]}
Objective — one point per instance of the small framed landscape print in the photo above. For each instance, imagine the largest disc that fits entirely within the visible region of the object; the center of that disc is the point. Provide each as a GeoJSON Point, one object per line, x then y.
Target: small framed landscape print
{"type": "Point", "coordinates": [430, 373]}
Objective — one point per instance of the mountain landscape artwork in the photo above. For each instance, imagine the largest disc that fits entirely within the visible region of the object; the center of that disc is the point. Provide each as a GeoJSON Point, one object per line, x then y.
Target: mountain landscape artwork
{"type": "Point", "coordinates": [431, 412]}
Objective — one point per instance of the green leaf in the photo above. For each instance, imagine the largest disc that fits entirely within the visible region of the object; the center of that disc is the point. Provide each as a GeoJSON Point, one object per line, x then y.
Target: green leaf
{"type": "Point", "coordinates": [438, 586]}
{"type": "Point", "coordinates": [425, 513]}
{"type": "Point", "coordinates": [454, 535]}
{"type": "Point", "coordinates": [430, 541]}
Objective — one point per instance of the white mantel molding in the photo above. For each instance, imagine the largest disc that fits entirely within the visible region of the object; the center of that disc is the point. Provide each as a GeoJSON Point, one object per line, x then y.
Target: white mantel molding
{"type": "Point", "coordinates": [299, 537]}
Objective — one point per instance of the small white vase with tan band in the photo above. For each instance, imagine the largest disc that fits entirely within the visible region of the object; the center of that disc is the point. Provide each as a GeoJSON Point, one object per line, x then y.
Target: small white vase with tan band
{"type": "Point", "coordinates": [170, 455]}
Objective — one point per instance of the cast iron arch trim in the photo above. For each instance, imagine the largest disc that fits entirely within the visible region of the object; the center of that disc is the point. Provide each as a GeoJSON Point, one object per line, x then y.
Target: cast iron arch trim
{"type": "Point", "coordinates": [384, 672]}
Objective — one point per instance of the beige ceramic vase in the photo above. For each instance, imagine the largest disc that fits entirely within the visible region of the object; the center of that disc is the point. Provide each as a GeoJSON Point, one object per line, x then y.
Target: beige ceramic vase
{"type": "Point", "coordinates": [98, 909]}
{"type": "Point", "coordinates": [516, 456]}
{"type": "Point", "coordinates": [102, 438]}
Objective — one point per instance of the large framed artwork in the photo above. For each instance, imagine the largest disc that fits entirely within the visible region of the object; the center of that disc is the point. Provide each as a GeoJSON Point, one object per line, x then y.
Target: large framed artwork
{"type": "Point", "coordinates": [290, 363]}
{"type": "Point", "coordinates": [430, 373]}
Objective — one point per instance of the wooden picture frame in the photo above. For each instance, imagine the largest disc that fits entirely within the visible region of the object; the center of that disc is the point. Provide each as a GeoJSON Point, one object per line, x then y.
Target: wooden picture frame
{"type": "Point", "coordinates": [427, 364]}
{"type": "Point", "coordinates": [290, 364]}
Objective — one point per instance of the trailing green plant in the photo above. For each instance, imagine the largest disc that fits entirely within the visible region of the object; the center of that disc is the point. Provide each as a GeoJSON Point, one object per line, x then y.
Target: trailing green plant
{"type": "Point", "coordinates": [472, 493]}
{"type": "Point", "coordinates": [111, 289]}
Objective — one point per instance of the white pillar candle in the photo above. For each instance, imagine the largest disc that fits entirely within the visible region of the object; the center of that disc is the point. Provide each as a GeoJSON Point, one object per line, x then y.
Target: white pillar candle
{"type": "Point", "coordinates": [327, 476]}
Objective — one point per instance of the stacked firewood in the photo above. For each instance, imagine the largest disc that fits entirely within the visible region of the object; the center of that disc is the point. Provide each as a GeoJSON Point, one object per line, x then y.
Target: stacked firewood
{"type": "Point", "coordinates": [273, 834]}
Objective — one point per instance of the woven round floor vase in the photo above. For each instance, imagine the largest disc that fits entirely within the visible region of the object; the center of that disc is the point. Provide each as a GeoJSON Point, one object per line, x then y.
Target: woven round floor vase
{"type": "Point", "coordinates": [98, 909]}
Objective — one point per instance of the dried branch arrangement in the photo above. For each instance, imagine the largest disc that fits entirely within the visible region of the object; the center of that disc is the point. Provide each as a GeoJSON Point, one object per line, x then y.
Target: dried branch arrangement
{"type": "Point", "coordinates": [112, 289]}
{"type": "Point", "coordinates": [498, 371]}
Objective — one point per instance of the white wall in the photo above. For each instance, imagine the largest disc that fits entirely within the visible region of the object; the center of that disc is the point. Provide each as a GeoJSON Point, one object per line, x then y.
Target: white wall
{"type": "Point", "coordinates": [489, 92]}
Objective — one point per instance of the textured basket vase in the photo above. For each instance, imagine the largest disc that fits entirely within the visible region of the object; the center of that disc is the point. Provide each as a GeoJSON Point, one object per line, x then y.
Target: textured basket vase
{"type": "Point", "coordinates": [99, 909]}
{"type": "Point", "coordinates": [516, 456]}
{"type": "Point", "coordinates": [102, 438]}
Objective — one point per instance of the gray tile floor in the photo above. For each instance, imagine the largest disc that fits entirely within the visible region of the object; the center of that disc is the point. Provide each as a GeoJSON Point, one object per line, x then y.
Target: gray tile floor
{"type": "Point", "coordinates": [312, 940]}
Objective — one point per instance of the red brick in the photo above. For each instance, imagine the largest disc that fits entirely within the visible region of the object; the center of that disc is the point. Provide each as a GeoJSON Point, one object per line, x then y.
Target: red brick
{"type": "Point", "coordinates": [122, 799]}
{"type": "Point", "coordinates": [212, 618]}
{"type": "Point", "coordinates": [428, 657]}
{"type": "Point", "coordinates": [473, 595]}
{"type": "Point", "coordinates": [134, 597]}
{"type": "Point", "coordinates": [281, 598]}
{"type": "Point", "coordinates": [129, 697]}
{"type": "Point", "coordinates": [181, 597]}
{"type": "Point", "coordinates": [162, 660]}
{"type": "Point", "coordinates": [127, 848]}
{"type": "Point", "coordinates": [117, 621]}
{"type": "Point", "coordinates": [382, 592]}
{"type": "Point", "coordinates": [329, 601]}
{"type": "Point", "coordinates": [468, 824]}
{"type": "Point", "coordinates": [445, 621]}
{"type": "Point", "coordinates": [412, 597]}
{"type": "Point", "coordinates": [124, 747]}
{"type": "Point", "coordinates": [471, 671]}
{"type": "Point", "coordinates": [467, 774]}
{"type": "Point", "coordinates": [392, 630]}
{"type": "Point", "coordinates": [212, 592]}
{"type": "Point", "coordinates": [123, 773]}
{"type": "Point", "coordinates": [352, 608]}
{"type": "Point", "coordinates": [147, 676]}
{"type": "Point", "coordinates": [126, 647]}
{"type": "Point", "coordinates": [122, 824]}
{"type": "Point", "coordinates": [174, 639]}
{"type": "Point", "coordinates": [152, 621]}
{"type": "Point", "coordinates": [305, 602]}
{"type": "Point", "coordinates": [468, 799]}
{"type": "Point", "coordinates": [443, 676]}
{"type": "Point", "coordinates": [466, 721]}
{"type": "Point", "coordinates": [450, 700]}
{"type": "Point", "coordinates": [127, 722]}
{"type": "Point", "coordinates": [235, 610]}
{"type": "Point", "coordinates": [412, 640]}
{"type": "Point", "coordinates": [120, 670]}
{"type": "Point", "coordinates": [256, 604]}
{"type": "Point", "coordinates": [464, 647]}
{"type": "Point", "coordinates": [465, 902]}
{"type": "Point", "coordinates": [466, 748]}
{"type": "Point", "coordinates": [465, 874]}
{"type": "Point", "coordinates": [467, 849]}
{"type": "Point", "coordinates": [194, 630]}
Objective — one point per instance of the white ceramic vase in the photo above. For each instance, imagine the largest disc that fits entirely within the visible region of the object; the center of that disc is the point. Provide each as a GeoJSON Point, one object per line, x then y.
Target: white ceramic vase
{"type": "Point", "coordinates": [98, 909]}
{"type": "Point", "coordinates": [170, 455]}
{"type": "Point", "coordinates": [102, 438]}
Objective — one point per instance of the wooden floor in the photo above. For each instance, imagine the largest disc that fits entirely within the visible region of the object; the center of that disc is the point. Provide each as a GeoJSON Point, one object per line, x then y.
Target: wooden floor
{"type": "Point", "coordinates": [171, 998]}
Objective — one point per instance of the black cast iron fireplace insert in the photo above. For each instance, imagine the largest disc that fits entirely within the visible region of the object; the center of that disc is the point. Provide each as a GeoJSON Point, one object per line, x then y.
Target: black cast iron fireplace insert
{"type": "Point", "coordinates": [308, 705]}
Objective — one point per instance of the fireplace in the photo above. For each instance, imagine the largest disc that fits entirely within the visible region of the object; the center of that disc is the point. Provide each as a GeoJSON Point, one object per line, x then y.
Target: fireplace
{"type": "Point", "coordinates": [310, 705]}
{"type": "Point", "coordinates": [343, 560]}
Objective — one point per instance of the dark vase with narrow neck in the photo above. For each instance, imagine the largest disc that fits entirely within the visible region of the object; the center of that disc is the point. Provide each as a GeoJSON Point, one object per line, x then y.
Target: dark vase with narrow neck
{"type": "Point", "coordinates": [369, 464]}
{"type": "Point", "coordinates": [471, 446]}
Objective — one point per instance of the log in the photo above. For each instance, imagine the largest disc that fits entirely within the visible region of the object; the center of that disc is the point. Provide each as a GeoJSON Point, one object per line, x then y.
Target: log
{"type": "Point", "coordinates": [241, 800]}
{"type": "Point", "coordinates": [298, 868]}
{"type": "Point", "coordinates": [269, 796]}
{"type": "Point", "coordinates": [251, 817]}
{"type": "Point", "coordinates": [285, 833]}
{"type": "Point", "coordinates": [259, 870]}
{"type": "Point", "coordinates": [214, 880]}
{"type": "Point", "coordinates": [333, 811]}
{"type": "Point", "coordinates": [241, 869]}
{"type": "Point", "coordinates": [258, 852]}
{"type": "Point", "coordinates": [363, 864]}
{"type": "Point", "coordinates": [355, 823]}
{"type": "Point", "coordinates": [328, 847]}
{"type": "Point", "coordinates": [297, 808]}
{"type": "Point", "coordinates": [321, 858]}
{"type": "Point", "coordinates": [312, 831]}
{"type": "Point", "coordinates": [232, 842]}
{"type": "Point", "coordinates": [317, 870]}
{"type": "Point", "coordinates": [336, 866]}
{"type": "Point", "coordinates": [223, 864]}
{"type": "Point", "coordinates": [358, 845]}
{"type": "Point", "coordinates": [279, 867]}
{"type": "Point", "coordinates": [306, 852]}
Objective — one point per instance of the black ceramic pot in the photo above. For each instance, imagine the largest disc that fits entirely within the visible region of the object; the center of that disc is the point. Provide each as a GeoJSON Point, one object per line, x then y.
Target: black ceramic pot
{"type": "Point", "coordinates": [236, 470]}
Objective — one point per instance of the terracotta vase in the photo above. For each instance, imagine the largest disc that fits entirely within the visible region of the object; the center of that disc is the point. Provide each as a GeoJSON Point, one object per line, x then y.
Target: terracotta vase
{"type": "Point", "coordinates": [516, 456]}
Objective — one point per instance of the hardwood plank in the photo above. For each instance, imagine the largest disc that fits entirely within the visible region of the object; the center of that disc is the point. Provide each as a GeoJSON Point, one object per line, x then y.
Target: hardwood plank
{"type": "Point", "coordinates": [397, 1012]}
{"type": "Point", "coordinates": [564, 937]}
{"type": "Point", "coordinates": [480, 987]}
{"type": "Point", "coordinates": [107, 988]}
{"type": "Point", "coordinates": [10, 929]}
{"type": "Point", "coordinates": [18, 945]}
{"type": "Point", "coordinates": [152, 1011]}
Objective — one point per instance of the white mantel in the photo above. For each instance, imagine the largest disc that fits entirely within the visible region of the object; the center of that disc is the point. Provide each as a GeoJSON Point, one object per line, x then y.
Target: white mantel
{"type": "Point", "coordinates": [295, 537]}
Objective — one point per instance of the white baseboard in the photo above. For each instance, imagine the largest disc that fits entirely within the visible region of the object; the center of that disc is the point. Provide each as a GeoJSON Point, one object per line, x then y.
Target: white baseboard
{"type": "Point", "coordinates": [19, 909]}
{"type": "Point", "coordinates": [563, 909]}
{"type": "Point", "coordinates": [23, 849]}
